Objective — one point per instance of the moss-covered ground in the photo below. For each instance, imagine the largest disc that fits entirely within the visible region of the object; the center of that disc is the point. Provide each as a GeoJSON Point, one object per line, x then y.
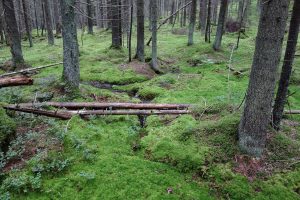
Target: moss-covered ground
{"type": "Point", "coordinates": [112, 157]}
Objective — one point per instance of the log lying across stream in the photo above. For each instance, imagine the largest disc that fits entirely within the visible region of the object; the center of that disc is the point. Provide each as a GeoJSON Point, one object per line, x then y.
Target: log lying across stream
{"type": "Point", "coordinates": [15, 81]}
{"type": "Point", "coordinates": [110, 106]}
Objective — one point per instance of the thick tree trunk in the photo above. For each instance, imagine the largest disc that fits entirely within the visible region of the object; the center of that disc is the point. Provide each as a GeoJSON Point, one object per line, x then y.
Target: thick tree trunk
{"type": "Point", "coordinates": [90, 20]}
{"type": "Point", "coordinates": [154, 16]}
{"type": "Point", "coordinates": [49, 24]}
{"type": "Point", "coordinates": [258, 105]}
{"type": "Point", "coordinates": [140, 48]}
{"type": "Point", "coordinates": [71, 74]}
{"type": "Point", "coordinates": [2, 38]}
{"type": "Point", "coordinates": [203, 15]}
{"type": "Point", "coordinates": [13, 33]}
{"type": "Point", "coordinates": [282, 92]}
{"type": "Point", "coordinates": [27, 22]}
{"type": "Point", "coordinates": [116, 28]}
{"type": "Point", "coordinates": [192, 22]}
{"type": "Point", "coordinates": [221, 25]}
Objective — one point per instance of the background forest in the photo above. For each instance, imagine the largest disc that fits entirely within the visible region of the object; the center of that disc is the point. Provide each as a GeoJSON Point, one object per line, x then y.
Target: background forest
{"type": "Point", "coordinates": [233, 132]}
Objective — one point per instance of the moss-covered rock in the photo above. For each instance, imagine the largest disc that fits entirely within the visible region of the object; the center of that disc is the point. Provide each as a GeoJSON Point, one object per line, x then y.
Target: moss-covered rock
{"type": "Point", "coordinates": [7, 128]}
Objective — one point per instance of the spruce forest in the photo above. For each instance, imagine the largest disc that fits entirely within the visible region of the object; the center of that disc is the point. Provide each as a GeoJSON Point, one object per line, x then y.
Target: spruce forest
{"type": "Point", "coordinates": [149, 99]}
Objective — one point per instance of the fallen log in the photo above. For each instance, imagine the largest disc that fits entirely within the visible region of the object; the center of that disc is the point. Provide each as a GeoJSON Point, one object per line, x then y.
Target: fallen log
{"type": "Point", "coordinates": [65, 115]}
{"type": "Point", "coordinates": [15, 81]}
{"type": "Point", "coordinates": [29, 70]}
{"type": "Point", "coordinates": [292, 112]}
{"type": "Point", "coordinates": [110, 106]}
{"type": "Point", "coordinates": [130, 112]}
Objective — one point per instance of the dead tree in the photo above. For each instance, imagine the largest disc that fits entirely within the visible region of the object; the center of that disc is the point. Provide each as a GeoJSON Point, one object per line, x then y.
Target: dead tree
{"type": "Point", "coordinates": [258, 104]}
{"type": "Point", "coordinates": [282, 91]}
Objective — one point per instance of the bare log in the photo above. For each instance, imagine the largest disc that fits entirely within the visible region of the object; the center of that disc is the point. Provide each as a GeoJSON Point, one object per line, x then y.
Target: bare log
{"type": "Point", "coordinates": [166, 19]}
{"type": "Point", "coordinates": [130, 112]}
{"type": "Point", "coordinates": [24, 71]}
{"type": "Point", "coordinates": [65, 115]}
{"type": "Point", "coordinates": [110, 106]}
{"type": "Point", "coordinates": [292, 112]}
{"type": "Point", "coordinates": [15, 81]}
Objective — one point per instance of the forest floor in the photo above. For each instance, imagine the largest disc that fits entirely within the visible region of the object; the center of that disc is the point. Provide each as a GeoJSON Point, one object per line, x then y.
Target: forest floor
{"type": "Point", "coordinates": [112, 157]}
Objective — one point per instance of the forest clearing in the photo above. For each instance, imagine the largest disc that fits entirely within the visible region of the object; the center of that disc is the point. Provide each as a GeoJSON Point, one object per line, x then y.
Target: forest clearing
{"type": "Point", "coordinates": [78, 120]}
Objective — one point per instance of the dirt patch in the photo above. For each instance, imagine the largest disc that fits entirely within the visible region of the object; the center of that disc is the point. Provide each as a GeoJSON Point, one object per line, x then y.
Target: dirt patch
{"type": "Point", "coordinates": [140, 68]}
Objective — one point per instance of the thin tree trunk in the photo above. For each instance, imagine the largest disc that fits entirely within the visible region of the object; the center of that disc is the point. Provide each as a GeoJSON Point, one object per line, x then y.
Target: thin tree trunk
{"type": "Point", "coordinates": [192, 22]}
{"type": "Point", "coordinates": [57, 18]}
{"type": "Point", "coordinates": [221, 25]}
{"type": "Point", "coordinates": [140, 49]}
{"type": "Point", "coordinates": [258, 105]}
{"type": "Point", "coordinates": [154, 9]}
{"type": "Point", "coordinates": [208, 23]}
{"type": "Point", "coordinates": [27, 22]}
{"type": "Point", "coordinates": [116, 32]}
{"type": "Point", "coordinates": [130, 33]}
{"type": "Point", "coordinates": [282, 92]}
{"type": "Point", "coordinates": [71, 73]}
{"type": "Point", "coordinates": [36, 18]}
{"type": "Point", "coordinates": [172, 11]}
{"type": "Point", "coordinates": [13, 33]}
{"type": "Point", "coordinates": [203, 15]}
{"type": "Point", "coordinates": [89, 8]}
{"type": "Point", "coordinates": [48, 22]}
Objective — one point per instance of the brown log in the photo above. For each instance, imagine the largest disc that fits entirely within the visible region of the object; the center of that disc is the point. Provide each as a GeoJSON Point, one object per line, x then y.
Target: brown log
{"type": "Point", "coordinates": [15, 81]}
{"type": "Point", "coordinates": [110, 106]}
{"type": "Point", "coordinates": [130, 112]}
{"type": "Point", "coordinates": [292, 112]}
{"type": "Point", "coordinates": [55, 114]}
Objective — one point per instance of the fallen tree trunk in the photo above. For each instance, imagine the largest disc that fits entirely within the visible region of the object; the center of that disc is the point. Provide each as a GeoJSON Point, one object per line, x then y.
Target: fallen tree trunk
{"type": "Point", "coordinates": [166, 19]}
{"type": "Point", "coordinates": [29, 70]}
{"type": "Point", "coordinates": [130, 112]}
{"type": "Point", "coordinates": [15, 81]}
{"type": "Point", "coordinates": [65, 115]}
{"type": "Point", "coordinates": [111, 106]}
{"type": "Point", "coordinates": [292, 112]}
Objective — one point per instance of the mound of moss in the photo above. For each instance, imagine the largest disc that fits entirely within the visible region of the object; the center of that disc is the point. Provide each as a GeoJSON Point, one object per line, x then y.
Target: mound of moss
{"type": "Point", "coordinates": [7, 128]}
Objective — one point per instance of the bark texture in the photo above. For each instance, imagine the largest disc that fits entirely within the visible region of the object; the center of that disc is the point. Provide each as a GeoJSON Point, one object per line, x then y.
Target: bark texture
{"type": "Point", "coordinates": [257, 112]}
{"type": "Point", "coordinates": [116, 24]}
{"type": "Point", "coordinates": [140, 48]}
{"type": "Point", "coordinates": [192, 22]}
{"type": "Point", "coordinates": [27, 21]}
{"type": "Point", "coordinates": [154, 13]}
{"type": "Point", "coordinates": [282, 92]}
{"type": "Point", "coordinates": [13, 33]}
{"type": "Point", "coordinates": [70, 45]}
{"type": "Point", "coordinates": [49, 23]}
{"type": "Point", "coordinates": [89, 7]}
{"type": "Point", "coordinates": [203, 15]}
{"type": "Point", "coordinates": [221, 25]}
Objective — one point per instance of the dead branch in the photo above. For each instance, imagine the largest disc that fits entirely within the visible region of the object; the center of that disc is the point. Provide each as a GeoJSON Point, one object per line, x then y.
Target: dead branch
{"type": "Point", "coordinates": [15, 81]}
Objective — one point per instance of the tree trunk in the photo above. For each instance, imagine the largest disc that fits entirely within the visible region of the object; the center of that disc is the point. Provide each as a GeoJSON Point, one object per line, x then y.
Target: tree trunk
{"type": "Point", "coordinates": [90, 20]}
{"type": "Point", "coordinates": [192, 22]}
{"type": "Point", "coordinates": [27, 22]}
{"type": "Point", "coordinates": [13, 33]}
{"type": "Point", "coordinates": [116, 31]}
{"type": "Point", "coordinates": [140, 52]}
{"type": "Point", "coordinates": [154, 9]}
{"type": "Point", "coordinates": [203, 15]}
{"type": "Point", "coordinates": [57, 18]}
{"type": "Point", "coordinates": [48, 19]}
{"type": "Point", "coordinates": [221, 25]}
{"type": "Point", "coordinates": [15, 81]}
{"type": "Point", "coordinates": [2, 38]}
{"type": "Point", "coordinates": [172, 11]}
{"type": "Point", "coordinates": [258, 105]}
{"type": "Point", "coordinates": [282, 92]}
{"type": "Point", "coordinates": [71, 73]}
{"type": "Point", "coordinates": [208, 22]}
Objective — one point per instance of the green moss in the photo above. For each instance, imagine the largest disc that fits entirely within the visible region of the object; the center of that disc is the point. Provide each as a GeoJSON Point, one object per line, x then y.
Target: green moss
{"type": "Point", "coordinates": [7, 127]}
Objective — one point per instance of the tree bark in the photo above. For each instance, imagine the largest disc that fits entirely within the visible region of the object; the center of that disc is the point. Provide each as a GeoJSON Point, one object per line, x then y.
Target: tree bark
{"type": "Point", "coordinates": [221, 25]}
{"type": "Point", "coordinates": [140, 49]}
{"type": "Point", "coordinates": [115, 22]}
{"type": "Point", "coordinates": [71, 73]}
{"type": "Point", "coordinates": [203, 15]}
{"type": "Point", "coordinates": [208, 22]}
{"type": "Point", "coordinates": [282, 91]}
{"type": "Point", "coordinates": [57, 17]}
{"type": "Point", "coordinates": [192, 22]}
{"type": "Point", "coordinates": [89, 8]}
{"type": "Point", "coordinates": [13, 33]}
{"type": "Point", "coordinates": [154, 16]}
{"type": "Point", "coordinates": [27, 22]}
{"type": "Point", "coordinates": [258, 105]}
{"type": "Point", "coordinates": [172, 11]}
{"type": "Point", "coordinates": [49, 24]}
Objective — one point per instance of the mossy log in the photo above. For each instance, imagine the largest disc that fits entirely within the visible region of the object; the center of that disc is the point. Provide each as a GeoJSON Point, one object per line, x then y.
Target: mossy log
{"type": "Point", "coordinates": [15, 81]}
